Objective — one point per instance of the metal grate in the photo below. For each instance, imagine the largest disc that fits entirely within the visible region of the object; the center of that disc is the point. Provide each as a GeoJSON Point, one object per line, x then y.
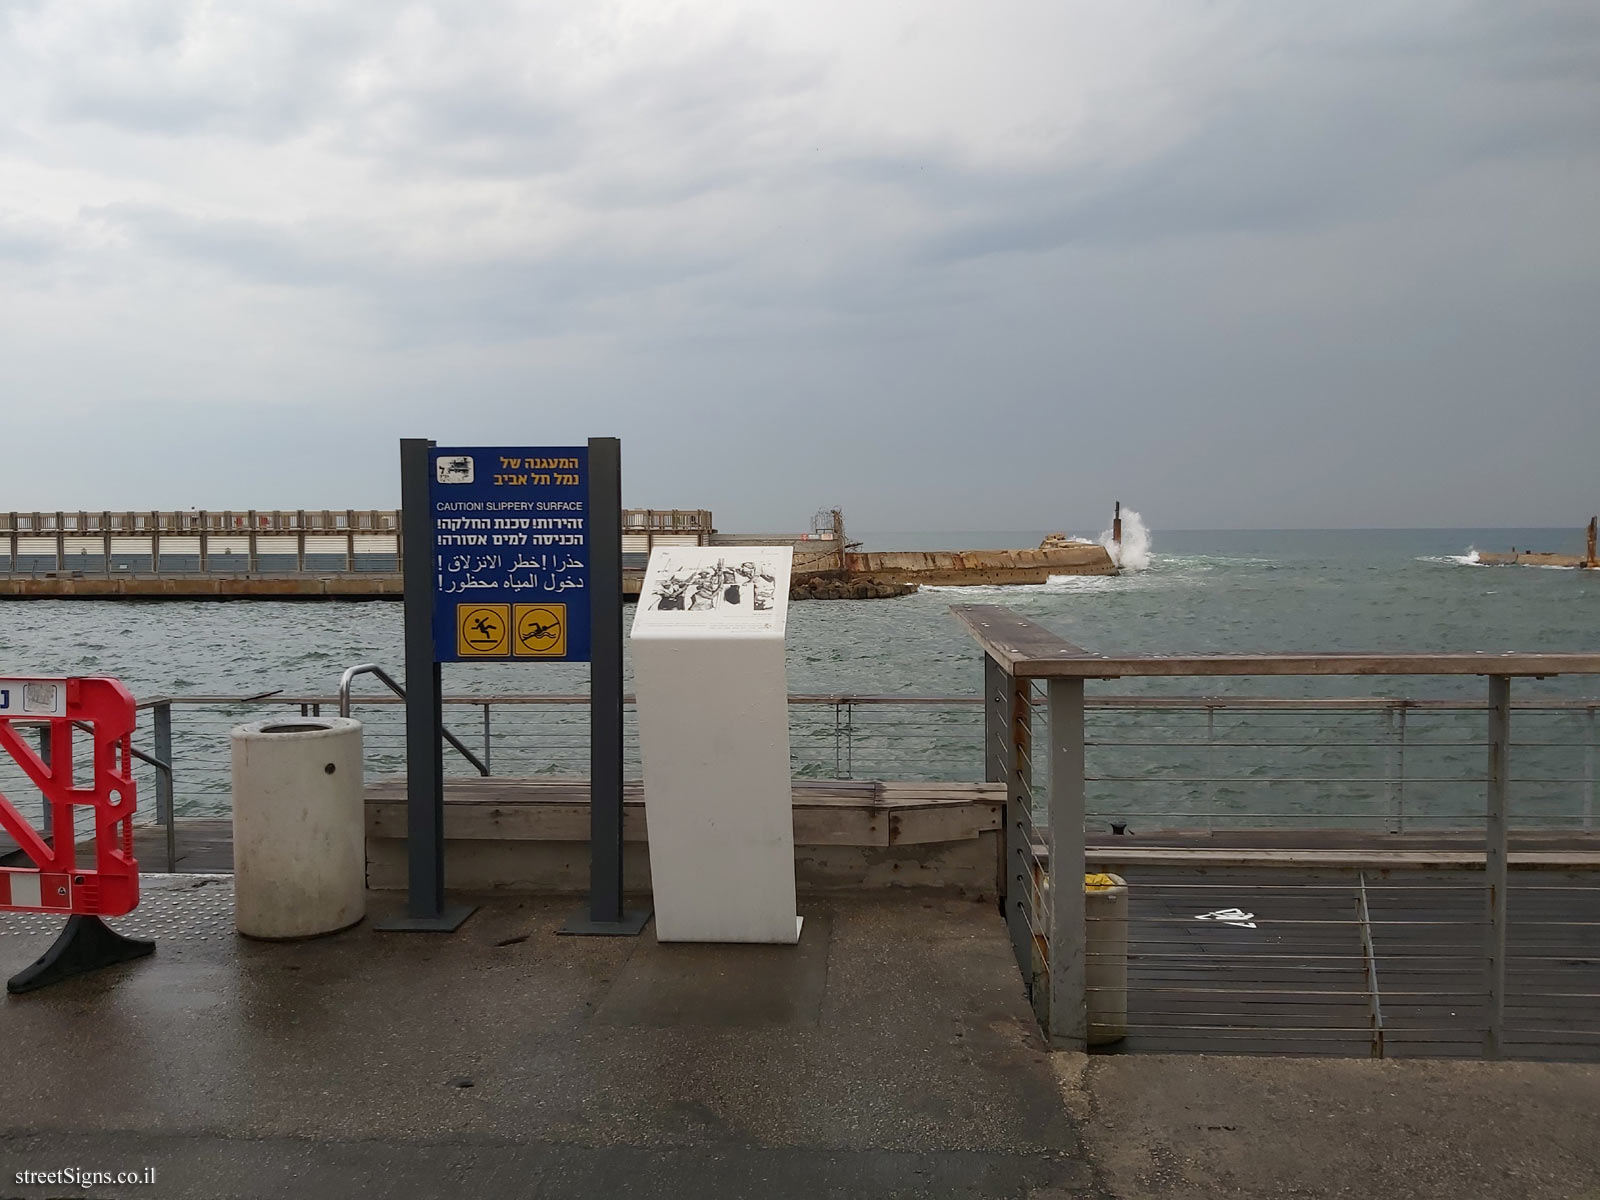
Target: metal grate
{"type": "Point", "coordinates": [187, 908]}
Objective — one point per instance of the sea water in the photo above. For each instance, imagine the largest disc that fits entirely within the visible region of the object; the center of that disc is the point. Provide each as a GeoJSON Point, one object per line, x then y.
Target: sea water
{"type": "Point", "coordinates": [1195, 591]}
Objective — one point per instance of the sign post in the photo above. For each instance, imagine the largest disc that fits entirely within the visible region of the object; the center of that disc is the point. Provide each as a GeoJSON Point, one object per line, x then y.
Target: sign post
{"type": "Point", "coordinates": [513, 554]}
{"type": "Point", "coordinates": [425, 907]}
{"type": "Point", "coordinates": [605, 914]}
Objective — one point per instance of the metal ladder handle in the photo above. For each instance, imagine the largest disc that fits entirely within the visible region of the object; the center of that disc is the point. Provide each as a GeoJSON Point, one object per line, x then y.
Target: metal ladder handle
{"type": "Point", "coordinates": [384, 677]}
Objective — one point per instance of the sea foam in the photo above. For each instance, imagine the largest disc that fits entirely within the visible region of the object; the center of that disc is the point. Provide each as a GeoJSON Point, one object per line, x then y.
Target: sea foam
{"type": "Point", "coordinates": [1134, 552]}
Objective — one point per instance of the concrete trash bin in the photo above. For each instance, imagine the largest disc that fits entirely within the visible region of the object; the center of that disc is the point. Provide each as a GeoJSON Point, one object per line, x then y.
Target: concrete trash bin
{"type": "Point", "coordinates": [1105, 904]}
{"type": "Point", "coordinates": [299, 855]}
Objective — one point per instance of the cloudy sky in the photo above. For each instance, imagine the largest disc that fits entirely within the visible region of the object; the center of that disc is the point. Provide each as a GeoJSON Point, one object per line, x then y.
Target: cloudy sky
{"type": "Point", "coordinates": [949, 265]}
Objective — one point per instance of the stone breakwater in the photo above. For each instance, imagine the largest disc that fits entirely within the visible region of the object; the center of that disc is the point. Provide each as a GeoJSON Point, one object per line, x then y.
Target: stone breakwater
{"type": "Point", "coordinates": [835, 586]}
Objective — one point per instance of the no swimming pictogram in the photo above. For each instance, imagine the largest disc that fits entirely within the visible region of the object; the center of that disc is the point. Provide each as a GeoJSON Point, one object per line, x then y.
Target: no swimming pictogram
{"type": "Point", "coordinates": [541, 630]}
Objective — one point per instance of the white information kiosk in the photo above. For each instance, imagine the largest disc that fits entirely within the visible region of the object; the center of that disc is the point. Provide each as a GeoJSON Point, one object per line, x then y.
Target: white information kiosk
{"type": "Point", "coordinates": [713, 711]}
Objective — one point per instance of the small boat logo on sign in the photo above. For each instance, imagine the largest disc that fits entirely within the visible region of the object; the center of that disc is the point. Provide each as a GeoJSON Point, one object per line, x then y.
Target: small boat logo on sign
{"type": "Point", "coordinates": [454, 470]}
{"type": "Point", "coordinates": [1230, 916]}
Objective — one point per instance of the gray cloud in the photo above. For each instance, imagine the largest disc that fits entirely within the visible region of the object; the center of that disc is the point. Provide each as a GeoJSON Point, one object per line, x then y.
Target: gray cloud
{"type": "Point", "coordinates": [1236, 265]}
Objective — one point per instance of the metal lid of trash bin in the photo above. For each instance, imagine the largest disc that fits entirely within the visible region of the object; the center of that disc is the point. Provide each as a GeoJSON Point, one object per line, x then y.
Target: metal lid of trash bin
{"type": "Point", "coordinates": [299, 727]}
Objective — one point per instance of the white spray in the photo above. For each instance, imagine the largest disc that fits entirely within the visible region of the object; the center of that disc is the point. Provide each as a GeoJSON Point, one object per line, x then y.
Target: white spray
{"type": "Point", "coordinates": [1133, 554]}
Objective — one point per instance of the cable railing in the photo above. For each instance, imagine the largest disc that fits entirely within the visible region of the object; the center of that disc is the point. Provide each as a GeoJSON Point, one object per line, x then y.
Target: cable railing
{"type": "Point", "coordinates": [1441, 898]}
{"type": "Point", "coordinates": [1153, 763]}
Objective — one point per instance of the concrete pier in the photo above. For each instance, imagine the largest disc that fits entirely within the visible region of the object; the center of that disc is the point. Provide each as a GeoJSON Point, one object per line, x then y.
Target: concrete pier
{"type": "Point", "coordinates": [892, 1053]}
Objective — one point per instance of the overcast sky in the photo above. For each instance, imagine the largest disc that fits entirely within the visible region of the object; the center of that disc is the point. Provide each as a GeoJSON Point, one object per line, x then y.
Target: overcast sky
{"type": "Point", "coordinates": [949, 265]}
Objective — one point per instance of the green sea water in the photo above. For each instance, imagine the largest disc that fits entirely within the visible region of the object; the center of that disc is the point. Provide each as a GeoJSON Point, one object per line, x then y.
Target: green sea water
{"type": "Point", "coordinates": [1225, 591]}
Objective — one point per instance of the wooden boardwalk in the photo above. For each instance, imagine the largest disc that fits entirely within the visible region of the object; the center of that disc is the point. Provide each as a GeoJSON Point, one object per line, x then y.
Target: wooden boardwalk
{"type": "Point", "coordinates": [1292, 977]}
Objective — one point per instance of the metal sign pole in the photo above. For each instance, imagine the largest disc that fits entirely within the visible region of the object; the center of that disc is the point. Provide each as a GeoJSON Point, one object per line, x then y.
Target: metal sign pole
{"type": "Point", "coordinates": [425, 907]}
{"type": "Point", "coordinates": [605, 913]}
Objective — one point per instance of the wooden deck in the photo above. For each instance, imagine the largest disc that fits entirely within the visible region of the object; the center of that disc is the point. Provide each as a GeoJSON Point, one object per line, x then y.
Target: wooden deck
{"type": "Point", "coordinates": [1294, 980]}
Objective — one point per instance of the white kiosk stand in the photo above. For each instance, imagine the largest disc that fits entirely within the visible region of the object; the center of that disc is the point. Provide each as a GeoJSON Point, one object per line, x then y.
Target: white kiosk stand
{"type": "Point", "coordinates": [713, 710]}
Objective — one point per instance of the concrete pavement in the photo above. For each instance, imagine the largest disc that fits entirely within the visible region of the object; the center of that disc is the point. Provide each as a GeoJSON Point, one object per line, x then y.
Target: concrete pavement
{"type": "Point", "coordinates": [890, 1054]}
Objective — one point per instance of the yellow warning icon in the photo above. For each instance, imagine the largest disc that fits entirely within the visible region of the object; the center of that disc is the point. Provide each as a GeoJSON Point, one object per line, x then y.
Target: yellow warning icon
{"type": "Point", "coordinates": [483, 630]}
{"type": "Point", "coordinates": [541, 630]}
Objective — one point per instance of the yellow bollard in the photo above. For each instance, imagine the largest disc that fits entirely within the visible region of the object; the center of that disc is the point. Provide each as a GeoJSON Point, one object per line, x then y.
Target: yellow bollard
{"type": "Point", "coordinates": [1105, 904]}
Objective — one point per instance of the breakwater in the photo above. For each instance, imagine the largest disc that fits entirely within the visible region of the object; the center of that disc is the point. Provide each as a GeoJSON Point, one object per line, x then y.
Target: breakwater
{"type": "Point", "coordinates": [280, 554]}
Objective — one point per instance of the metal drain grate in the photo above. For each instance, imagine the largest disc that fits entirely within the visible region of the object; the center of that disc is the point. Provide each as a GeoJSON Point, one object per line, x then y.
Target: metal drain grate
{"type": "Point", "coordinates": [194, 908]}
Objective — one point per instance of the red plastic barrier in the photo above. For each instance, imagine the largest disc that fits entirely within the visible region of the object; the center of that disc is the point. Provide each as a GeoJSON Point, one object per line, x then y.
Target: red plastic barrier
{"type": "Point", "coordinates": [56, 883]}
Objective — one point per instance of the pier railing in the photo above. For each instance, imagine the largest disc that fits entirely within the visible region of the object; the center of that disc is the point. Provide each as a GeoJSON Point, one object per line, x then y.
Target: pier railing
{"type": "Point", "coordinates": [1395, 813]}
{"type": "Point", "coordinates": [1218, 764]}
{"type": "Point", "coordinates": [1419, 946]}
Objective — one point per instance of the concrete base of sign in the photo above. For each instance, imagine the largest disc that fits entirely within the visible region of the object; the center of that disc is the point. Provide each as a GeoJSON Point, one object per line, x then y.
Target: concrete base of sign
{"type": "Point", "coordinates": [449, 919]}
{"type": "Point", "coordinates": [714, 738]}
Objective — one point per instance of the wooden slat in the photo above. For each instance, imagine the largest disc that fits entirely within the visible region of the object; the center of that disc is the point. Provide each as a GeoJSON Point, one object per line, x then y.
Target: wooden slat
{"type": "Point", "coordinates": [1372, 859]}
{"type": "Point", "coordinates": [1029, 651]}
{"type": "Point", "coordinates": [1298, 663]}
{"type": "Point", "coordinates": [826, 812]}
{"type": "Point", "coordinates": [1015, 641]}
{"type": "Point", "coordinates": [933, 823]}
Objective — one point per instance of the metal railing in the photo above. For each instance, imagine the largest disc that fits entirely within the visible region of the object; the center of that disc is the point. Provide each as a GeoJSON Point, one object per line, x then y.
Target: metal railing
{"type": "Point", "coordinates": [1408, 940]}
{"type": "Point", "coordinates": [12, 775]}
{"type": "Point", "coordinates": [383, 677]}
{"type": "Point", "coordinates": [1213, 763]}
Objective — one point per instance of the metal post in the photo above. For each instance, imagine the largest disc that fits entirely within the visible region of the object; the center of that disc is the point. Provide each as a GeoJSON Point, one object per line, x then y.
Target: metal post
{"type": "Point", "coordinates": [605, 681]}
{"type": "Point", "coordinates": [1018, 867]}
{"type": "Point", "coordinates": [1494, 861]}
{"type": "Point", "coordinates": [995, 767]}
{"type": "Point", "coordinates": [849, 740]}
{"type": "Point", "coordinates": [606, 913]}
{"type": "Point", "coordinates": [425, 907]}
{"type": "Point", "coordinates": [1028, 861]}
{"type": "Point", "coordinates": [1069, 1012]}
{"type": "Point", "coordinates": [1391, 766]}
{"type": "Point", "coordinates": [1588, 775]}
{"type": "Point", "coordinates": [837, 745]}
{"type": "Point", "coordinates": [48, 821]}
{"type": "Point", "coordinates": [487, 762]}
{"type": "Point", "coordinates": [1211, 767]}
{"type": "Point", "coordinates": [1400, 776]}
{"type": "Point", "coordinates": [161, 722]}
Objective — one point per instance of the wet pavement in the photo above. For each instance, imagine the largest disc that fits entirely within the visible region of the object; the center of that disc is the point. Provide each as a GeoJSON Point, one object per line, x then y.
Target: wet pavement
{"type": "Point", "coordinates": [890, 1053]}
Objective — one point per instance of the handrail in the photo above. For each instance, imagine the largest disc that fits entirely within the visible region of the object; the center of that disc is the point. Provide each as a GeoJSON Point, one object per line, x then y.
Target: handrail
{"type": "Point", "coordinates": [172, 796]}
{"type": "Point", "coordinates": [384, 677]}
{"type": "Point", "coordinates": [1026, 650]}
{"type": "Point", "coordinates": [1463, 704]}
{"type": "Point", "coordinates": [349, 677]}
